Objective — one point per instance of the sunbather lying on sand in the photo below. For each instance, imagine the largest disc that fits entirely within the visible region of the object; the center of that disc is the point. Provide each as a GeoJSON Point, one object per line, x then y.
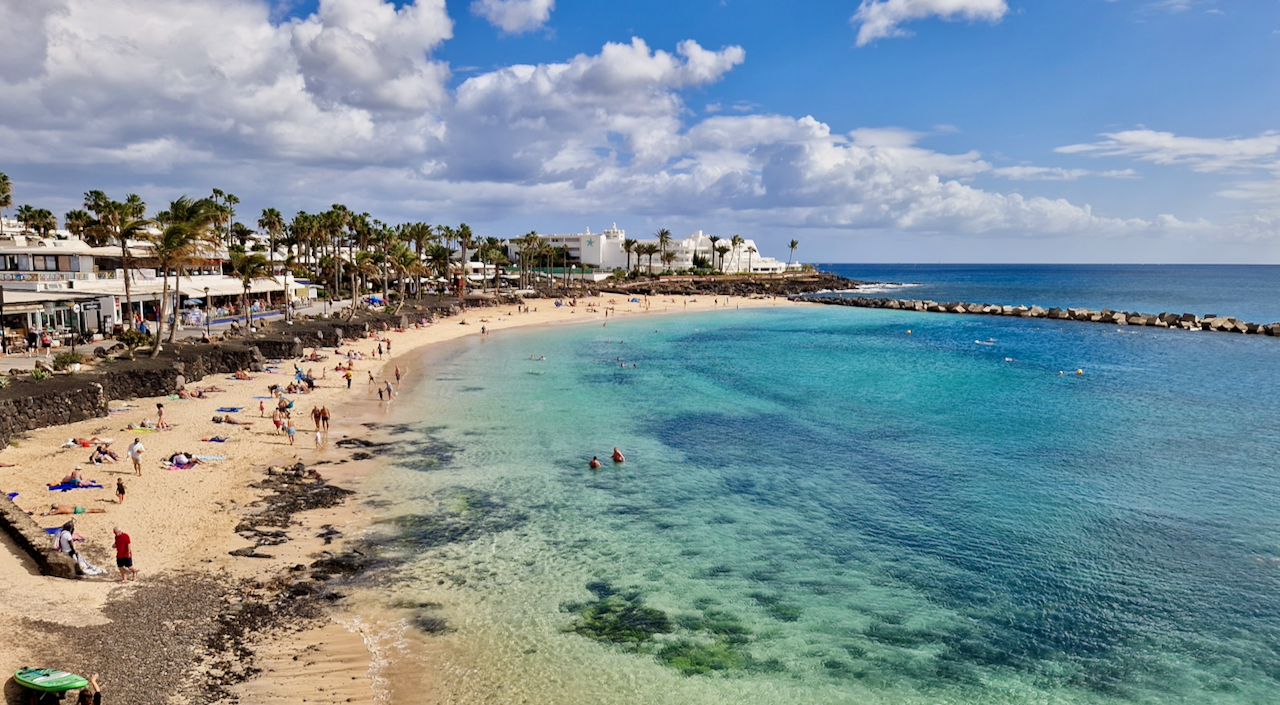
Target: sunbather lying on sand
{"type": "Point", "coordinates": [231, 420]}
{"type": "Point", "coordinates": [241, 374]}
{"type": "Point", "coordinates": [75, 478]}
{"type": "Point", "coordinates": [69, 509]}
{"type": "Point", "coordinates": [85, 442]}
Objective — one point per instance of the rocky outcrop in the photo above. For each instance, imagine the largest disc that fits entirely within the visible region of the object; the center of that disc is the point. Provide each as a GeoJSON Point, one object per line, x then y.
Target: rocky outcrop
{"type": "Point", "coordinates": [33, 540]}
{"type": "Point", "coordinates": [1182, 321]}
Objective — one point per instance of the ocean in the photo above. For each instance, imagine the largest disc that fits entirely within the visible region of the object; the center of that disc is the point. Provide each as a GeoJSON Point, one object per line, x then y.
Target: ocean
{"type": "Point", "coordinates": [824, 504]}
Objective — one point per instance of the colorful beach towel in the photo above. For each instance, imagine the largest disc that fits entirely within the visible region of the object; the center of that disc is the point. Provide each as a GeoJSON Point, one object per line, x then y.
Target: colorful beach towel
{"type": "Point", "coordinates": [66, 487]}
{"type": "Point", "coordinates": [171, 467]}
{"type": "Point", "coordinates": [231, 409]}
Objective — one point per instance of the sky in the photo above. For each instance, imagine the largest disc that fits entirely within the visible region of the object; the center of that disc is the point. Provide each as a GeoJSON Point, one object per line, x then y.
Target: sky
{"type": "Point", "coordinates": [876, 130]}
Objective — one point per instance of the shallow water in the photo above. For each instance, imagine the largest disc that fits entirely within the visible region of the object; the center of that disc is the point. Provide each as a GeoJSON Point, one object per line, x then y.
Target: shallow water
{"type": "Point", "coordinates": [832, 510]}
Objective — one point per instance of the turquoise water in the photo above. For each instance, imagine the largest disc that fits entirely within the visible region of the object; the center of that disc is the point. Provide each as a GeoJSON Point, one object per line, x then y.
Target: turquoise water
{"type": "Point", "coordinates": [877, 515]}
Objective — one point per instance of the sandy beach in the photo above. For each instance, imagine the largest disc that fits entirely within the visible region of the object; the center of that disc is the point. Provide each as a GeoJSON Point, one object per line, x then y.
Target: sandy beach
{"type": "Point", "coordinates": [183, 522]}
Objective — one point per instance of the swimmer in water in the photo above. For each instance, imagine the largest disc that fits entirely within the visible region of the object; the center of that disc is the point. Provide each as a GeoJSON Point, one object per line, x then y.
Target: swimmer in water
{"type": "Point", "coordinates": [595, 463]}
{"type": "Point", "coordinates": [618, 457]}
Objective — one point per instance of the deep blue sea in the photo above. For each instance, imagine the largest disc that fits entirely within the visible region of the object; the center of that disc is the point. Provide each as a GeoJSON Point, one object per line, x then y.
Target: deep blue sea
{"type": "Point", "coordinates": [837, 505]}
{"type": "Point", "coordinates": [1248, 292]}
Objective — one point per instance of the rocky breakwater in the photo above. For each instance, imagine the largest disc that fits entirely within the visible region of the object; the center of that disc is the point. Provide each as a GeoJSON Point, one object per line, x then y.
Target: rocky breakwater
{"type": "Point", "coordinates": [1183, 321]}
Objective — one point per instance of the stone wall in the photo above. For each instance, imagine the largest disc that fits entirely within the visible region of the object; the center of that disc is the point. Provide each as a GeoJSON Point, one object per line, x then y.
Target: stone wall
{"type": "Point", "coordinates": [32, 539]}
{"type": "Point", "coordinates": [1183, 321]}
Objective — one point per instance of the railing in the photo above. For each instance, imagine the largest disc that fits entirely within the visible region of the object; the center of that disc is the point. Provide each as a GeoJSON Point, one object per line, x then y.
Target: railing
{"type": "Point", "coordinates": [43, 276]}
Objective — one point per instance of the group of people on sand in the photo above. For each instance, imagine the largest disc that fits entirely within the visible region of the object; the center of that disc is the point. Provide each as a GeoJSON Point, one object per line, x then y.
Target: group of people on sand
{"type": "Point", "coordinates": [618, 458]}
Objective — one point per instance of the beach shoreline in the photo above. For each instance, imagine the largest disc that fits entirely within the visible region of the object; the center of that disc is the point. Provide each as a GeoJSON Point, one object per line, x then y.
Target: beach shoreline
{"type": "Point", "coordinates": [186, 522]}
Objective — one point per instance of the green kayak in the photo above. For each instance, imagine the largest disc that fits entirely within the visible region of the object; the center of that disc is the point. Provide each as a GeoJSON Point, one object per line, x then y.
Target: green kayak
{"type": "Point", "coordinates": [47, 680]}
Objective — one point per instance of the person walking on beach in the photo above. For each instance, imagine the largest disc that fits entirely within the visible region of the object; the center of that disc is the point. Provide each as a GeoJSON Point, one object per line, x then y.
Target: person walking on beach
{"type": "Point", "coordinates": [315, 416]}
{"type": "Point", "coordinates": [135, 450]}
{"type": "Point", "coordinates": [119, 490]}
{"type": "Point", "coordinates": [262, 408]}
{"type": "Point", "coordinates": [124, 554]}
{"type": "Point", "coordinates": [277, 418]}
{"type": "Point", "coordinates": [391, 392]}
{"type": "Point", "coordinates": [289, 429]}
{"type": "Point", "coordinates": [348, 377]}
{"type": "Point", "coordinates": [324, 418]}
{"type": "Point", "coordinates": [397, 374]}
{"type": "Point", "coordinates": [319, 439]}
{"type": "Point", "coordinates": [161, 424]}
{"type": "Point", "coordinates": [371, 379]}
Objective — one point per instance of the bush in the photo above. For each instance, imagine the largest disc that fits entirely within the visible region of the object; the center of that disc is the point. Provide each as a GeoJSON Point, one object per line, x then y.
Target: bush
{"type": "Point", "coordinates": [39, 374]}
{"type": "Point", "coordinates": [133, 339]}
{"type": "Point", "coordinates": [64, 360]}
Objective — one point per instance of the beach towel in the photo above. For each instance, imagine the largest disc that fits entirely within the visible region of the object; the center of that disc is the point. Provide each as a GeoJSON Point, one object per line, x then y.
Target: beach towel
{"type": "Point", "coordinates": [139, 430]}
{"type": "Point", "coordinates": [12, 495]}
{"type": "Point", "coordinates": [217, 439]}
{"type": "Point", "coordinates": [88, 568]}
{"type": "Point", "coordinates": [173, 466]}
{"type": "Point", "coordinates": [264, 397]}
{"type": "Point", "coordinates": [231, 409]}
{"type": "Point", "coordinates": [211, 457]}
{"type": "Point", "coordinates": [64, 488]}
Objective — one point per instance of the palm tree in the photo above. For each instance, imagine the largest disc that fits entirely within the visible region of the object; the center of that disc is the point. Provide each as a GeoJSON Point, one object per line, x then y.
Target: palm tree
{"type": "Point", "coordinates": [736, 241]}
{"type": "Point", "coordinates": [750, 251]}
{"type": "Point", "coordinates": [185, 236]}
{"type": "Point", "coordinates": [464, 241]}
{"type": "Point", "coordinates": [77, 222]}
{"type": "Point", "coordinates": [6, 194]}
{"type": "Point", "coordinates": [628, 246]}
{"type": "Point", "coordinates": [120, 221]}
{"type": "Point", "coordinates": [273, 223]}
{"type": "Point", "coordinates": [714, 239]}
{"type": "Point", "coordinates": [792, 246]}
{"type": "Point", "coordinates": [664, 239]}
{"type": "Point", "coordinates": [248, 268]}
{"type": "Point", "coordinates": [667, 259]}
{"type": "Point", "coordinates": [648, 249]}
{"type": "Point", "coordinates": [723, 250]}
{"type": "Point", "coordinates": [440, 260]}
{"type": "Point", "coordinates": [27, 216]}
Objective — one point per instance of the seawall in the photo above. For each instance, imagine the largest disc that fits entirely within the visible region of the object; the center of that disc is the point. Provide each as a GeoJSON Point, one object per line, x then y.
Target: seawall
{"type": "Point", "coordinates": [1182, 321]}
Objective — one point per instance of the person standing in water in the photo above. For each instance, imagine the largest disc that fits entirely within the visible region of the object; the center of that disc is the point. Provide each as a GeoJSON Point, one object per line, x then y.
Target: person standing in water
{"type": "Point", "coordinates": [618, 457]}
{"type": "Point", "coordinates": [595, 463]}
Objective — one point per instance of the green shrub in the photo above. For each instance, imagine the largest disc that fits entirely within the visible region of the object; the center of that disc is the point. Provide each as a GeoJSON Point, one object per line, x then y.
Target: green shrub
{"type": "Point", "coordinates": [64, 360]}
{"type": "Point", "coordinates": [133, 339]}
{"type": "Point", "coordinates": [39, 374]}
{"type": "Point", "coordinates": [4, 382]}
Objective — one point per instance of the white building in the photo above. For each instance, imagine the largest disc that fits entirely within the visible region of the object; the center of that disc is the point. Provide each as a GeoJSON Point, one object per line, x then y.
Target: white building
{"type": "Point", "coordinates": [605, 251]}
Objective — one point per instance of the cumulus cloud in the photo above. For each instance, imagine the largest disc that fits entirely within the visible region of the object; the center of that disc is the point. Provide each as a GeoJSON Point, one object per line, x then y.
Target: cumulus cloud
{"type": "Point", "coordinates": [514, 16]}
{"type": "Point", "coordinates": [348, 103]}
{"type": "Point", "coordinates": [878, 19]}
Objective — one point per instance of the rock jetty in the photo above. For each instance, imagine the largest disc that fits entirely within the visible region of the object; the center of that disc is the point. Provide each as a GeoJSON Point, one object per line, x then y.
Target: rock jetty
{"type": "Point", "coordinates": [1182, 321]}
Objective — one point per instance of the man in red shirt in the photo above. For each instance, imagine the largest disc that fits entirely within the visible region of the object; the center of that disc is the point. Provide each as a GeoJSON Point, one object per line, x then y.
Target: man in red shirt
{"type": "Point", "coordinates": [124, 554]}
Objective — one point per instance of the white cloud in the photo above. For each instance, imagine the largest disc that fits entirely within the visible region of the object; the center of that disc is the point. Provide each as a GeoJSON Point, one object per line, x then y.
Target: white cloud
{"type": "Point", "coordinates": [1044, 173]}
{"type": "Point", "coordinates": [1203, 154]}
{"type": "Point", "coordinates": [878, 19]}
{"type": "Point", "coordinates": [514, 16]}
{"type": "Point", "coordinates": [349, 105]}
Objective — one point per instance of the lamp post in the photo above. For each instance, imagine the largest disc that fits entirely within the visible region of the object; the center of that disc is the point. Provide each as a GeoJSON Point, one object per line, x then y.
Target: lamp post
{"type": "Point", "coordinates": [208, 322]}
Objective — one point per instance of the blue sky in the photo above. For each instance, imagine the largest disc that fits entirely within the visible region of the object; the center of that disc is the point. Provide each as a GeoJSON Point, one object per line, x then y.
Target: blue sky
{"type": "Point", "coordinates": [883, 130]}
